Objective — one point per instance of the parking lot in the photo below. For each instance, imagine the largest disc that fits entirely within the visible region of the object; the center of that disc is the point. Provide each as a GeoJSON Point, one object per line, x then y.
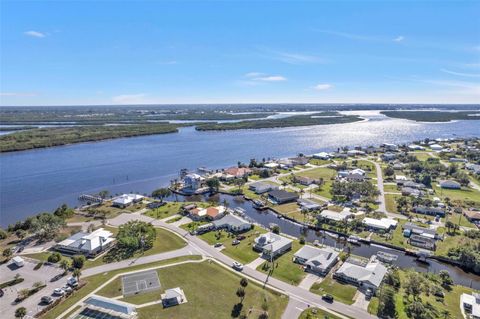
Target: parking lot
{"type": "Point", "coordinates": [32, 303]}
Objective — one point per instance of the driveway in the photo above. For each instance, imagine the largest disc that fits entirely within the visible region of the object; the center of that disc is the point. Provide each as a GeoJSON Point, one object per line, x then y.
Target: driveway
{"type": "Point", "coordinates": [360, 300]}
{"type": "Point", "coordinates": [309, 280]}
{"type": "Point", "coordinates": [32, 303]}
{"type": "Point", "coordinates": [257, 262]}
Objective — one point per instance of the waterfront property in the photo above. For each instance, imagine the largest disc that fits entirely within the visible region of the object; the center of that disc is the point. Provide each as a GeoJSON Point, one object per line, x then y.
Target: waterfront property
{"type": "Point", "coordinates": [272, 245]}
{"type": "Point", "coordinates": [383, 224]}
{"type": "Point", "coordinates": [362, 273]}
{"type": "Point", "coordinates": [262, 187]}
{"type": "Point", "coordinates": [281, 197]}
{"type": "Point", "coordinates": [89, 244]}
{"type": "Point", "coordinates": [472, 216]}
{"type": "Point", "coordinates": [316, 260]}
{"type": "Point", "coordinates": [126, 200]}
{"type": "Point", "coordinates": [233, 223]}
{"type": "Point", "coordinates": [192, 182]}
{"type": "Point", "coordinates": [237, 172]}
{"type": "Point", "coordinates": [209, 213]}
{"type": "Point", "coordinates": [331, 215]}
{"type": "Point", "coordinates": [420, 236]}
{"type": "Point", "coordinates": [308, 204]}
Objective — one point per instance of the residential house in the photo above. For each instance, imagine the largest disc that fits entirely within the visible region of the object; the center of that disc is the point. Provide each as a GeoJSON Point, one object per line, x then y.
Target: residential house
{"type": "Point", "coordinates": [335, 216]}
{"type": "Point", "coordinates": [355, 177]}
{"type": "Point", "coordinates": [211, 213]}
{"type": "Point", "coordinates": [285, 163]}
{"type": "Point", "coordinates": [88, 244]}
{"type": "Point", "coordinates": [316, 260]}
{"type": "Point", "coordinates": [102, 307]}
{"type": "Point", "coordinates": [238, 172]}
{"type": "Point", "coordinates": [299, 160]}
{"type": "Point", "coordinates": [279, 196]}
{"type": "Point", "coordinates": [471, 304]}
{"type": "Point", "coordinates": [126, 200]}
{"type": "Point", "coordinates": [472, 215]}
{"type": "Point", "coordinates": [262, 187]}
{"type": "Point", "coordinates": [321, 156]}
{"type": "Point", "coordinates": [387, 157]}
{"type": "Point", "coordinates": [436, 147]}
{"type": "Point", "coordinates": [308, 204]}
{"type": "Point", "coordinates": [271, 165]}
{"type": "Point", "coordinates": [449, 184]}
{"type": "Point", "coordinates": [474, 168]}
{"type": "Point", "coordinates": [414, 147]}
{"type": "Point", "coordinates": [192, 182]}
{"type": "Point", "coordinates": [383, 224]}
{"type": "Point", "coordinates": [408, 191]}
{"type": "Point", "coordinates": [173, 297]}
{"type": "Point", "coordinates": [432, 211]}
{"type": "Point", "coordinates": [457, 160]}
{"type": "Point", "coordinates": [272, 245]}
{"type": "Point", "coordinates": [355, 152]}
{"type": "Point", "coordinates": [233, 223]}
{"type": "Point", "coordinates": [422, 242]}
{"type": "Point", "coordinates": [363, 274]}
{"type": "Point", "coordinates": [414, 185]}
{"type": "Point", "coordinates": [303, 180]}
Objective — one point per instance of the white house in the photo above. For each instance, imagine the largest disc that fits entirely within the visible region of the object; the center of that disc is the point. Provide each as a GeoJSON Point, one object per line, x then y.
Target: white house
{"type": "Point", "coordinates": [366, 275]}
{"type": "Point", "coordinates": [233, 223]}
{"type": "Point", "coordinates": [262, 187]}
{"type": "Point", "coordinates": [335, 216]}
{"type": "Point", "coordinates": [436, 147]}
{"type": "Point", "coordinates": [415, 147]}
{"type": "Point", "coordinates": [126, 200]}
{"type": "Point", "coordinates": [89, 244]}
{"type": "Point", "coordinates": [322, 156]}
{"type": "Point", "coordinates": [192, 182]}
{"type": "Point", "coordinates": [172, 297]}
{"type": "Point", "coordinates": [384, 224]}
{"type": "Point", "coordinates": [390, 147]}
{"type": "Point", "coordinates": [471, 304]}
{"type": "Point", "coordinates": [316, 260]}
{"type": "Point", "coordinates": [449, 184]}
{"type": "Point", "coordinates": [272, 245]}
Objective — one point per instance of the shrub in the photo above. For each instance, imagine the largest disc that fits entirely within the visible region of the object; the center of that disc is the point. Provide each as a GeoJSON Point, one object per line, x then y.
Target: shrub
{"type": "Point", "coordinates": [37, 266]}
{"type": "Point", "coordinates": [78, 261]}
{"type": "Point", "coordinates": [54, 258]}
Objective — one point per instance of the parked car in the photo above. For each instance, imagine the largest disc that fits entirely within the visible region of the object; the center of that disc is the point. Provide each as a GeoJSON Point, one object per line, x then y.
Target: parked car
{"type": "Point", "coordinates": [58, 292]}
{"type": "Point", "coordinates": [369, 294]}
{"type": "Point", "coordinates": [235, 242]}
{"type": "Point", "coordinates": [46, 300]}
{"type": "Point", "coordinates": [67, 289]}
{"type": "Point", "coordinates": [327, 297]}
{"type": "Point", "coordinates": [218, 245]}
{"type": "Point", "coordinates": [1, 292]}
{"type": "Point", "coordinates": [241, 237]}
{"type": "Point", "coordinates": [237, 266]}
{"type": "Point", "coordinates": [72, 282]}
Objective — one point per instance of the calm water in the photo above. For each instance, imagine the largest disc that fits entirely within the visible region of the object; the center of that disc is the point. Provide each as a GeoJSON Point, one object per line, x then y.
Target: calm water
{"type": "Point", "coordinates": [40, 180]}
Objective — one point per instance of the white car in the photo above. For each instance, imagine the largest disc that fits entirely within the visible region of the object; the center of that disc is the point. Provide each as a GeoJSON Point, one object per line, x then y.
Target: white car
{"type": "Point", "coordinates": [237, 266]}
{"type": "Point", "coordinates": [58, 292]}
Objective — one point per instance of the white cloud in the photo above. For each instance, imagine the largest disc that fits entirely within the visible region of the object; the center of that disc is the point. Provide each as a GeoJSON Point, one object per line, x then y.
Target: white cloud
{"type": "Point", "coordinates": [400, 38]}
{"type": "Point", "coordinates": [140, 98]}
{"type": "Point", "coordinates": [35, 34]}
{"type": "Point", "coordinates": [271, 78]}
{"type": "Point", "coordinates": [254, 74]}
{"type": "Point", "coordinates": [322, 87]}
{"type": "Point", "coordinates": [472, 75]}
{"type": "Point", "coordinates": [290, 57]}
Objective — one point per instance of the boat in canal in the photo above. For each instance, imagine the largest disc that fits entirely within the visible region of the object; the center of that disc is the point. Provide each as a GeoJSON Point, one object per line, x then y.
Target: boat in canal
{"type": "Point", "coordinates": [386, 257]}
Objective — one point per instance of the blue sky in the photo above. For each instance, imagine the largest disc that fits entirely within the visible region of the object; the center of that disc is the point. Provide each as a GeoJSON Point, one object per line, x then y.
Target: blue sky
{"type": "Point", "coordinates": [106, 52]}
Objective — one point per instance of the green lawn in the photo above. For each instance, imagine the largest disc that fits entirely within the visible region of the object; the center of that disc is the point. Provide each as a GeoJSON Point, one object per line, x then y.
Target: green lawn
{"type": "Point", "coordinates": [324, 190]}
{"type": "Point", "coordinates": [242, 252]}
{"type": "Point", "coordinates": [368, 167]}
{"type": "Point", "coordinates": [443, 246]}
{"type": "Point", "coordinates": [93, 282]}
{"type": "Point", "coordinates": [284, 268]}
{"type": "Point", "coordinates": [456, 218]}
{"type": "Point", "coordinates": [319, 162]}
{"type": "Point", "coordinates": [396, 237]}
{"type": "Point", "coordinates": [390, 202]}
{"type": "Point", "coordinates": [320, 172]}
{"type": "Point", "coordinates": [390, 188]}
{"type": "Point", "coordinates": [464, 194]}
{"type": "Point", "coordinates": [172, 208]}
{"type": "Point", "coordinates": [316, 313]}
{"type": "Point", "coordinates": [421, 156]}
{"type": "Point", "coordinates": [287, 208]}
{"type": "Point", "coordinates": [212, 294]}
{"type": "Point", "coordinates": [341, 292]}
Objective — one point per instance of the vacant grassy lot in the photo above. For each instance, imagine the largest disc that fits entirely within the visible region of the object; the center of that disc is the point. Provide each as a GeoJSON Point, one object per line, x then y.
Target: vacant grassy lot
{"type": "Point", "coordinates": [212, 294]}
{"type": "Point", "coordinates": [287, 208]}
{"type": "Point", "coordinates": [242, 252]}
{"type": "Point", "coordinates": [93, 282]}
{"type": "Point", "coordinates": [341, 292]}
{"type": "Point", "coordinates": [320, 172]}
{"type": "Point", "coordinates": [391, 203]}
{"type": "Point", "coordinates": [421, 156]}
{"type": "Point", "coordinates": [464, 194]}
{"type": "Point", "coordinates": [389, 188]}
{"type": "Point", "coordinates": [459, 218]}
{"type": "Point", "coordinates": [172, 208]}
{"type": "Point", "coordinates": [284, 268]}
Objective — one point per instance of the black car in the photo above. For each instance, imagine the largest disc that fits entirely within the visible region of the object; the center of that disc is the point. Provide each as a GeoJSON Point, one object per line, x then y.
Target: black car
{"type": "Point", "coordinates": [1, 292]}
{"type": "Point", "coordinates": [241, 237]}
{"type": "Point", "coordinates": [46, 300]}
{"type": "Point", "coordinates": [327, 298]}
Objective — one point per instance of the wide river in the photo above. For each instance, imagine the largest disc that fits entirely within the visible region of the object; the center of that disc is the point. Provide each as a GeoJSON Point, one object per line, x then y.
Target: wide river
{"type": "Point", "coordinates": [40, 180]}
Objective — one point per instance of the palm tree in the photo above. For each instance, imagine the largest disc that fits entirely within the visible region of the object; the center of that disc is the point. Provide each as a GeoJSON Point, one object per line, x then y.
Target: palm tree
{"type": "Point", "coordinates": [446, 314]}
{"type": "Point", "coordinates": [20, 312]}
{"type": "Point", "coordinates": [77, 273]}
{"type": "Point", "coordinates": [65, 265]}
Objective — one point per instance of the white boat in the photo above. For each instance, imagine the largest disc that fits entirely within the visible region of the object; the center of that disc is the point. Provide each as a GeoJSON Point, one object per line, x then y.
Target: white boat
{"type": "Point", "coordinates": [354, 240]}
{"type": "Point", "coordinates": [386, 257]}
{"type": "Point", "coordinates": [239, 211]}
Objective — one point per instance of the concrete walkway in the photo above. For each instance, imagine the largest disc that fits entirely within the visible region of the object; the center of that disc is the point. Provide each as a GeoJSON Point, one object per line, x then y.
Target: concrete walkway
{"type": "Point", "coordinates": [361, 301]}
{"type": "Point", "coordinates": [294, 309]}
{"type": "Point", "coordinates": [309, 280]}
{"type": "Point", "coordinates": [257, 262]}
